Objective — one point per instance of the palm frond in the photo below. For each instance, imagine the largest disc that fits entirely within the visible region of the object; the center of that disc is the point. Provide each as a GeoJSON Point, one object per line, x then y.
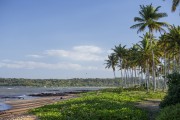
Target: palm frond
{"type": "Point", "coordinates": [175, 4]}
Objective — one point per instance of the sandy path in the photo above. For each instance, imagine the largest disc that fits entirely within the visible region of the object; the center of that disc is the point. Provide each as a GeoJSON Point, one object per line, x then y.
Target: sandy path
{"type": "Point", "coordinates": [20, 107]}
{"type": "Point", "coordinates": [151, 105]}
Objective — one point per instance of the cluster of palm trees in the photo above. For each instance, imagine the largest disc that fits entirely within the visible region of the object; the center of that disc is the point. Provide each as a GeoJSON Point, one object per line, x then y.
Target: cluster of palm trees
{"type": "Point", "coordinates": [151, 59]}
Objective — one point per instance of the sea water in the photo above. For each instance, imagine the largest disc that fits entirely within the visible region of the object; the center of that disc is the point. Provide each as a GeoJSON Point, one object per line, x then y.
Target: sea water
{"type": "Point", "coordinates": [16, 93]}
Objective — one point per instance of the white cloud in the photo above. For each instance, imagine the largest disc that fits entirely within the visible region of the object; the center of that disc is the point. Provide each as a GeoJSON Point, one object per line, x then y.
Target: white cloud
{"type": "Point", "coordinates": [42, 65]}
{"type": "Point", "coordinates": [88, 49]}
{"type": "Point", "coordinates": [35, 56]}
{"type": "Point", "coordinates": [80, 53]}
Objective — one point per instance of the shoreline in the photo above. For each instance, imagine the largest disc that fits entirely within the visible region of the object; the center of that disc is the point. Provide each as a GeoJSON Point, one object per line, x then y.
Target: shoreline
{"type": "Point", "coordinates": [4, 104]}
{"type": "Point", "coordinates": [19, 107]}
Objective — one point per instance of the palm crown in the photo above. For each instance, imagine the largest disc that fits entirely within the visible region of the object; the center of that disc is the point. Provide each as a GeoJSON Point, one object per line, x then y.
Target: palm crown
{"type": "Point", "coordinates": [149, 17]}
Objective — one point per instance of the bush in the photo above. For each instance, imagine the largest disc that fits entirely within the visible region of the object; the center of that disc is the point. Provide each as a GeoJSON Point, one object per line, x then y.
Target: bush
{"type": "Point", "coordinates": [170, 113]}
{"type": "Point", "coordinates": [135, 88]}
{"type": "Point", "coordinates": [173, 95]}
{"type": "Point", "coordinates": [114, 90]}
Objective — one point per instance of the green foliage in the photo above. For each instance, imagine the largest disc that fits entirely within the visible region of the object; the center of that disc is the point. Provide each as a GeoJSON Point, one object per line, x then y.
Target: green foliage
{"type": "Point", "coordinates": [117, 90]}
{"type": "Point", "coordinates": [135, 88]}
{"type": "Point", "coordinates": [75, 82]}
{"type": "Point", "coordinates": [108, 104]}
{"type": "Point", "coordinates": [173, 95]}
{"type": "Point", "coordinates": [170, 113]}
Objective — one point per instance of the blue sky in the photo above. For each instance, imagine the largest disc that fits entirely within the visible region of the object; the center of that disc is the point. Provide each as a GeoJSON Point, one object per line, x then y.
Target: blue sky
{"type": "Point", "coordinates": [67, 38]}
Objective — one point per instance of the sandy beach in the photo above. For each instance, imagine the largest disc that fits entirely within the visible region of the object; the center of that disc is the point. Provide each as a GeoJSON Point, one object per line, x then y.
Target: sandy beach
{"type": "Point", "coordinates": [20, 107]}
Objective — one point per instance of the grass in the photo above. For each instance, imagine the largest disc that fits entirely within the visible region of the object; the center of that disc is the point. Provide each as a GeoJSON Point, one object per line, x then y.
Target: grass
{"type": "Point", "coordinates": [109, 104]}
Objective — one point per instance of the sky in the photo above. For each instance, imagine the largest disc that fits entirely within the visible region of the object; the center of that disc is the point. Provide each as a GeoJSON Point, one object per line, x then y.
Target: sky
{"type": "Point", "coordinates": [67, 38]}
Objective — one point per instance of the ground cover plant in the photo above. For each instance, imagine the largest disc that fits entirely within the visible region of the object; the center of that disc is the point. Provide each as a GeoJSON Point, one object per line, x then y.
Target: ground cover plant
{"type": "Point", "coordinates": [170, 113]}
{"type": "Point", "coordinates": [108, 104]}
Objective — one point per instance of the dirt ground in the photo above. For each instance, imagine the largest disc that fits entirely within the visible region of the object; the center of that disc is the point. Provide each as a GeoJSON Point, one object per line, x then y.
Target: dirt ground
{"type": "Point", "coordinates": [152, 106]}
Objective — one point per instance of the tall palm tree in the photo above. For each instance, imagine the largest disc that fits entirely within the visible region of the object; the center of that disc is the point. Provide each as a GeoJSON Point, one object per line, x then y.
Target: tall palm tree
{"type": "Point", "coordinates": [149, 17]}
{"type": "Point", "coordinates": [145, 56]}
{"type": "Point", "coordinates": [120, 52]}
{"type": "Point", "coordinates": [111, 62]}
{"type": "Point", "coordinates": [132, 57]}
{"type": "Point", "coordinates": [173, 39]}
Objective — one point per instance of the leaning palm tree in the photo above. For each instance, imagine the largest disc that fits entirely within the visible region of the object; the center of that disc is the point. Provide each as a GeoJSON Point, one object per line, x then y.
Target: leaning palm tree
{"type": "Point", "coordinates": [149, 17]}
{"type": "Point", "coordinates": [111, 62]}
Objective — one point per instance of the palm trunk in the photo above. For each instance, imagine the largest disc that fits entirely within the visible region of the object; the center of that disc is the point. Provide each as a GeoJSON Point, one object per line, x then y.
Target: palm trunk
{"type": "Point", "coordinates": [168, 64]}
{"type": "Point", "coordinates": [153, 65]}
{"type": "Point", "coordinates": [139, 76]}
{"type": "Point", "coordinates": [147, 76]}
{"type": "Point", "coordinates": [164, 87]}
{"type": "Point", "coordinates": [114, 73]}
{"type": "Point", "coordinates": [125, 78]}
{"type": "Point", "coordinates": [122, 79]}
{"type": "Point", "coordinates": [135, 75]}
{"type": "Point", "coordinates": [132, 78]}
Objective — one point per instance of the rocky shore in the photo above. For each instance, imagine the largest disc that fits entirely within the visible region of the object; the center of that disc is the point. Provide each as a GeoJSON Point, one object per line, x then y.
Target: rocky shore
{"type": "Point", "coordinates": [20, 107]}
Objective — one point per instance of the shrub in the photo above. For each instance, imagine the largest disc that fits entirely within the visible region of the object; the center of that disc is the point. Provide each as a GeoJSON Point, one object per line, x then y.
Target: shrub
{"type": "Point", "coordinates": [170, 113]}
{"type": "Point", "coordinates": [114, 90]}
{"type": "Point", "coordinates": [173, 95]}
{"type": "Point", "coordinates": [135, 88]}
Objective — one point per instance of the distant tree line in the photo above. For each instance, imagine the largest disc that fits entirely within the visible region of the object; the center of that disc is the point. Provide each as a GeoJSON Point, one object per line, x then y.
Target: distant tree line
{"type": "Point", "coordinates": [75, 82]}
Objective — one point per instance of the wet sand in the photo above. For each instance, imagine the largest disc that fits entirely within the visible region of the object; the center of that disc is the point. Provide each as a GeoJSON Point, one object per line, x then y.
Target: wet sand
{"type": "Point", "coordinates": [20, 107]}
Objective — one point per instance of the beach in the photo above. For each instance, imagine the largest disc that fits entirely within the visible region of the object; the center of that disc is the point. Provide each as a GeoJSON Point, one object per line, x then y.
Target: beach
{"type": "Point", "coordinates": [16, 101]}
{"type": "Point", "coordinates": [19, 108]}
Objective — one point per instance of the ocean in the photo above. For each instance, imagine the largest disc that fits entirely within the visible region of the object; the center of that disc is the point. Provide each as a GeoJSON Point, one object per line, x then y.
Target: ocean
{"type": "Point", "coordinates": [15, 93]}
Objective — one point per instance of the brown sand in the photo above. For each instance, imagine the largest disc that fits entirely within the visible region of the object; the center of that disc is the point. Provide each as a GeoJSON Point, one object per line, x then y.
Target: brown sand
{"type": "Point", "coordinates": [20, 107]}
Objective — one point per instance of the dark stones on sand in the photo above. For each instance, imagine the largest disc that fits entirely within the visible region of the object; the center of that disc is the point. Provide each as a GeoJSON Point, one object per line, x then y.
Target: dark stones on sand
{"type": "Point", "coordinates": [47, 94]}
{"type": "Point", "coordinates": [11, 97]}
{"type": "Point", "coordinates": [58, 94]}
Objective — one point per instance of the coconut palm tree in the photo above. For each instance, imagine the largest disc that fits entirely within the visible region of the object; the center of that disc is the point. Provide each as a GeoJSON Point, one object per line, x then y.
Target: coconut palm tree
{"type": "Point", "coordinates": [145, 56]}
{"type": "Point", "coordinates": [173, 39]}
{"type": "Point", "coordinates": [149, 17]}
{"type": "Point", "coordinates": [132, 57]}
{"type": "Point", "coordinates": [120, 52]}
{"type": "Point", "coordinates": [111, 62]}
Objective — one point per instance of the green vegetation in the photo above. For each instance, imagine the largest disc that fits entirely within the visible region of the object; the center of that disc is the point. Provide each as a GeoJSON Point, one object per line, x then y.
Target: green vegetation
{"type": "Point", "coordinates": [170, 113]}
{"type": "Point", "coordinates": [76, 82]}
{"type": "Point", "coordinates": [173, 95]}
{"type": "Point", "coordinates": [108, 104]}
{"type": "Point", "coordinates": [153, 57]}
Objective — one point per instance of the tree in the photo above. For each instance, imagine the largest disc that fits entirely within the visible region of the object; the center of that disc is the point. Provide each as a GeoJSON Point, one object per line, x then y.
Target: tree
{"type": "Point", "coordinates": [111, 63]}
{"type": "Point", "coordinates": [149, 17]}
{"type": "Point", "coordinates": [120, 52]}
{"type": "Point", "coordinates": [145, 56]}
{"type": "Point", "coordinates": [173, 39]}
